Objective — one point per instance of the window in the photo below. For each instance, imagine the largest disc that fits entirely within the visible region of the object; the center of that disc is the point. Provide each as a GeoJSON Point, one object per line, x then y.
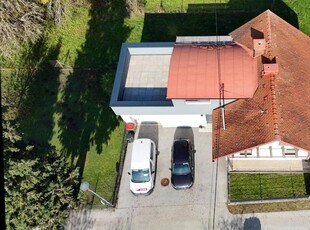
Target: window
{"type": "Point", "coordinates": [198, 102]}
{"type": "Point", "coordinates": [289, 151]}
{"type": "Point", "coordinates": [246, 153]}
{"type": "Point", "coordinates": [152, 151]}
{"type": "Point", "coordinates": [140, 175]}
{"type": "Point", "coordinates": [181, 169]}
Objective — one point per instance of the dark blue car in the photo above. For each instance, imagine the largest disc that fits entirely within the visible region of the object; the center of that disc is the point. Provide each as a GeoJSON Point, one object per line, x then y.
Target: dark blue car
{"type": "Point", "coordinates": [182, 164]}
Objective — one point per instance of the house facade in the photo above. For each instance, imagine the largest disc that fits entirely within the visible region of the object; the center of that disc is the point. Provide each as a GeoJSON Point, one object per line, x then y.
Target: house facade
{"type": "Point", "coordinates": [250, 88]}
{"type": "Point", "coordinates": [271, 130]}
{"type": "Point", "coordinates": [176, 84]}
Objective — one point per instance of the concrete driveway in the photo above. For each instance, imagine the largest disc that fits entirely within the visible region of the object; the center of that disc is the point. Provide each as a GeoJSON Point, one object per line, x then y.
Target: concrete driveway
{"type": "Point", "coordinates": [201, 207]}
{"type": "Point", "coordinates": [167, 196]}
{"type": "Point", "coordinates": [191, 207]}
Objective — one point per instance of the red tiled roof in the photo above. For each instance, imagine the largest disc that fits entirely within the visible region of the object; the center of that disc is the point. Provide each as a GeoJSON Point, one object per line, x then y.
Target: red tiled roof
{"type": "Point", "coordinates": [193, 72]}
{"type": "Point", "coordinates": [280, 108]}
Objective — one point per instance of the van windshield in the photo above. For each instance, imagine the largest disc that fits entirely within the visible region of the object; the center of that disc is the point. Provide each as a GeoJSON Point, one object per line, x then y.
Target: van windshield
{"type": "Point", "coordinates": [140, 175]}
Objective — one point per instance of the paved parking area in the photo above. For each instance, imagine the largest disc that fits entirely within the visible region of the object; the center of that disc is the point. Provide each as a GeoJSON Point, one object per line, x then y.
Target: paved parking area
{"type": "Point", "coordinates": [200, 208]}
{"type": "Point", "coordinates": [193, 206]}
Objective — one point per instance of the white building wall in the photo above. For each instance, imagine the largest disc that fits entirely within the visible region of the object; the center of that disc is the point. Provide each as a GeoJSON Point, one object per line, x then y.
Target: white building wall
{"type": "Point", "coordinates": [303, 153]}
{"type": "Point", "coordinates": [169, 120]}
{"type": "Point", "coordinates": [274, 149]}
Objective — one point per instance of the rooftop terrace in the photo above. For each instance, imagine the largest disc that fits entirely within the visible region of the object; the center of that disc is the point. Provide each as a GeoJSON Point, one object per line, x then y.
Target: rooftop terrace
{"type": "Point", "coordinates": [147, 77]}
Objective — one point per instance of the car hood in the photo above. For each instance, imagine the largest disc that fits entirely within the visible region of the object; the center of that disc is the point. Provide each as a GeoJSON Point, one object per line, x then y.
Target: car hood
{"type": "Point", "coordinates": [141, 188]}
{"type": "Point", "coordinates": [182, 181]}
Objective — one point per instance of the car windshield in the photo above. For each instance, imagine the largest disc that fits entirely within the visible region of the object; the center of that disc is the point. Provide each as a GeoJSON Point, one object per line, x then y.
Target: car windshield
{"type": "Point", "coordinates": [140, 175]}
{"type": "Point", "coordinates": [181, 169]}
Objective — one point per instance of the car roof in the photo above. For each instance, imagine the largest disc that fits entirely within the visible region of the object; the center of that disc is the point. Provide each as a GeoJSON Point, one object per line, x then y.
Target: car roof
{"type": "Point", "coordinates": [180, 151]}
{"type": "Point", "coordinates": [140, 158]}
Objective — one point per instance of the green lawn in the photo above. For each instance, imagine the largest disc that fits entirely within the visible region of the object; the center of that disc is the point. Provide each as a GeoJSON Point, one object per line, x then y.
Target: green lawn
{"type": "Point", "coordinates": [70, 109]}
{"type": "Point", "coordinates": [251, 186]}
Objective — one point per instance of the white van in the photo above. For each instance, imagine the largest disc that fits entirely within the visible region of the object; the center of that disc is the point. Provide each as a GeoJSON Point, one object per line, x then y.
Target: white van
{"type": "Point", "coordinates": [143, 166]}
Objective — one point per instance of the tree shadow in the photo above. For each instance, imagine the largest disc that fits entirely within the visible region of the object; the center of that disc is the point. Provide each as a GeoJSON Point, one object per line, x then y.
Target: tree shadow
{"type": "Point", "coordinates": [85, 116]}
{"type": "Point", "coordinates": [252, 223]}
{"type": "Point", "coordinates": [234, 223]}
{"type": "Point", "coordinates": [80, 219]}
{"type": "Point", "coordinates": [37, 100]}
{"type": "Point", "coordinates": [239, 222]}
{"type": "Point", "coordinates": [307, 182]}
{"type": "Point", "coordinates": [200, 19]}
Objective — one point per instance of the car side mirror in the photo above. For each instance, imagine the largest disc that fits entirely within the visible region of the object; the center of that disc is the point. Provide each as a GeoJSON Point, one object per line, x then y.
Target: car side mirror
{"type": "Point", "coordinates": [129, 173]}
{"type": "Point", "coordinates": [170, 169]}
{"type": "Point", "coordinates": [194, 151]}
{"type": "Point", "coordinates": [153, 172]}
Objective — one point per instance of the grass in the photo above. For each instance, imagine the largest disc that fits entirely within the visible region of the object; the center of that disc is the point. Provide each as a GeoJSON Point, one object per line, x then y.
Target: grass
{"type": "Point", "coordinates": [178, 6]}
{"type": "Point", "coordinates": [101, 169]}
{"type": "Point", "coordinates": [136, 25]}
{"type": "Point", "coordinates": [70, 109]}
{"type": "Point", "coordinates": [71, 34]}
{"type": "Point", "coordinates": [302, 9]}
{"type": "Point", "coordinates": [252, 186]}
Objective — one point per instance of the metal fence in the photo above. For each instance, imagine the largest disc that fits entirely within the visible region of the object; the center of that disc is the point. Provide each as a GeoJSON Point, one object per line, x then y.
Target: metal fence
{"type": "Point", "coordinates": [120, 167]}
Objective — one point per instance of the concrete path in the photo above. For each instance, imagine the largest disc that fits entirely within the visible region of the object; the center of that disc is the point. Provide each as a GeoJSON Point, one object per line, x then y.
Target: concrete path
{"type": "Point", "coordinates": [184, 217]}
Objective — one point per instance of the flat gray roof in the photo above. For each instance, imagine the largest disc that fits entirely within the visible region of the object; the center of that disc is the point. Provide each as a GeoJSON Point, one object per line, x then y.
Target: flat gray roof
{"type": "Point", "coordinates": [147, 77]}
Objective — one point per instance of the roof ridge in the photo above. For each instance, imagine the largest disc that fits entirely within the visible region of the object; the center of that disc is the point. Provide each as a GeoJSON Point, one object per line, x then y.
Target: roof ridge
{"type": "Point", "coordinates": [268, 35]}
{"type": "Point", "coordinates": [274, 106]}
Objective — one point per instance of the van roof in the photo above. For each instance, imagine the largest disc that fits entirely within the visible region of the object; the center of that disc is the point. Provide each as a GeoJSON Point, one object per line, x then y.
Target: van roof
{"type": "Point", "coordinates": [141, 154]}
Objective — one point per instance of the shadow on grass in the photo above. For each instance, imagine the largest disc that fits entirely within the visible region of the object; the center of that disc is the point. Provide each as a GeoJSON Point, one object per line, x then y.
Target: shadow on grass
{"type": "Point", "coordinates": [75, 103]}
{"type": "Point", "coordinates": [38, 99]}
{"type": "Point", "coordinates": [200, 19]}
{"type": "Point", "coordinates": [86, 119]}
{"type": "Point", "coordinates": [307, 182]}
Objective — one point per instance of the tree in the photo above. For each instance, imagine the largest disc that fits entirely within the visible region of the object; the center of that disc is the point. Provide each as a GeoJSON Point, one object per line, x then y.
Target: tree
{"type": "Point", "coordinates": [38, 183]}
{"type": "Point", "coordinates": [135, 6]}
{"type": "Point", "coordinates": [20, 21]}
{"type": "Point", "coordinates": [24, 21]}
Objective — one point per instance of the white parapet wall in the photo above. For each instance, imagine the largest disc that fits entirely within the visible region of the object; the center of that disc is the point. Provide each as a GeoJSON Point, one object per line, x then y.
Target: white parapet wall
{"type": "Point", "coordinates": [169, 120]}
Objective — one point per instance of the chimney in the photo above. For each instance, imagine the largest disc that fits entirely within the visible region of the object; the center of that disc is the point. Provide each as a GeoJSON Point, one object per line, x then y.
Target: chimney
{"type": "Point", "coordinates": [259, 46]}
{"type": "Point", "coordinates": [271, 68]}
